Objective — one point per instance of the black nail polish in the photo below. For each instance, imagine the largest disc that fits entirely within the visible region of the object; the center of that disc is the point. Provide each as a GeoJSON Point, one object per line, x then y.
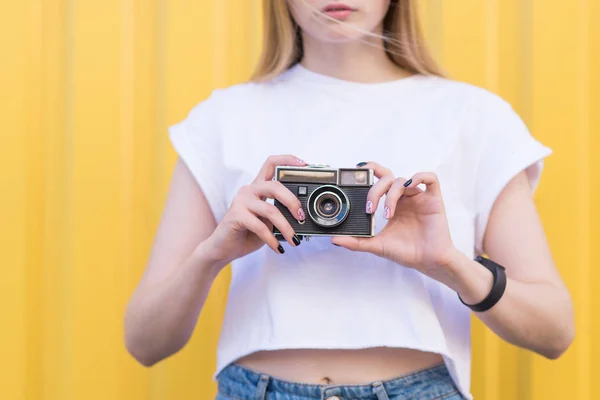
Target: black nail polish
{"type": "Point", "coordinates": [280, 249]}
{"type": "Point", "coordinates": [296, 240]}
{"type": "Point", "coordinates": [361, 164]}
{"type": "Point", "coordinates": [407, 183]}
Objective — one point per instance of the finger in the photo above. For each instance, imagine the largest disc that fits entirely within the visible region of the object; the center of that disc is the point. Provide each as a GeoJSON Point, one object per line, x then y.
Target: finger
{"type": "Point", "coordinates": [378, 170]}
{"type": "Point", "coordinates": [276, 190]}
{"type": "Point", "coordinates": [393, 195]}
{"type": "Point", "coordinates": [267, 171]}
{"type": "Point", "coordinates": [368, 245]}
{"type": "Point", "coordinates": [430, 180]}
{"type": "Point", "coordinates": [411, 191]}
{"type": "Point", "coordinates": [254, 225]}
{"type": "Point", "coordinates": [270, 213]}
{"type": "Point", "coordinates": [377, 191]}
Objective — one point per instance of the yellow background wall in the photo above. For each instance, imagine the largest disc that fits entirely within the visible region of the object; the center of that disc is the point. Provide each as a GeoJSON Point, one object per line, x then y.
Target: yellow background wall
{"type": "Point", "coordinates": [87, 90]}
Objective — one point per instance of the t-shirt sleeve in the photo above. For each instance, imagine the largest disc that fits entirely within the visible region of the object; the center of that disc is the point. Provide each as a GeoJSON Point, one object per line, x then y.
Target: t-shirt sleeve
{"type": "Point", "coordinates": [507, 148]}
{"type": "Point", "coordinates": [196, 140]}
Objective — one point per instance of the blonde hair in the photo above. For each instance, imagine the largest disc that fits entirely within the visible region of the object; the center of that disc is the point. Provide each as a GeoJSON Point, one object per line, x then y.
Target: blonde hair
{"type": "Point", "coordinates": [402, 37]}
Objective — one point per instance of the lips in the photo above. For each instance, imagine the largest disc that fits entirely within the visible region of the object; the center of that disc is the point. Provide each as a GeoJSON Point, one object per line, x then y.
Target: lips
{"type": "Point", "coordinates": [338, 11]}
{"type": "Point", "coordinates": [337, 7]}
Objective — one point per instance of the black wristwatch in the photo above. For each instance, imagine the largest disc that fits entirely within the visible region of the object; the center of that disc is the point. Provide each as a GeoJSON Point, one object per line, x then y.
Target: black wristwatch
{"type": "Point", "coordinates": [498, 287]}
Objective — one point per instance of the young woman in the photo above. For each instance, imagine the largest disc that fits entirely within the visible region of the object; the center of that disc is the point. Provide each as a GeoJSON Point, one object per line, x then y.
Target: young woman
{"type": "Point", "coordinates": [350, 83]}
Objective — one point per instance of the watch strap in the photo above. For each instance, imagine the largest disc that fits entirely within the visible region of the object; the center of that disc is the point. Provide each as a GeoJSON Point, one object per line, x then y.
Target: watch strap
{"type": "Point", "coordinates": [498, 286]}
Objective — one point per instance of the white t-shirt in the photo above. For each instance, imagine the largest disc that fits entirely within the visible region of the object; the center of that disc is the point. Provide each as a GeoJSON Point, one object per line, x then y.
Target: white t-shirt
{"type": "Point", "coordinates": [321, 296]}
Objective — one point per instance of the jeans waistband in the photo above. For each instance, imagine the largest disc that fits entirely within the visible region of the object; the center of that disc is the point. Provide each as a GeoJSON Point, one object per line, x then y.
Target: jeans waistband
{"type": "Point", "coordinates": [236, 381]}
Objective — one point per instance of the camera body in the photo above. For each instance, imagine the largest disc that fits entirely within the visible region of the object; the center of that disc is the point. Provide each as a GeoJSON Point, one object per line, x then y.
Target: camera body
{"type": "Point", "coordinates": [334, 200]}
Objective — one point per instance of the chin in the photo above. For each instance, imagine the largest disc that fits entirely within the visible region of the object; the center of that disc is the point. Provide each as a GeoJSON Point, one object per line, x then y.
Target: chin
{"type": "Point", "coordinates": [342, 34]}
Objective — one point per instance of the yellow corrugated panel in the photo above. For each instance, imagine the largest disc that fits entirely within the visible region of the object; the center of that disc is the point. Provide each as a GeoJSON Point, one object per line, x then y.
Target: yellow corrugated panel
{"type": "Point", "coordinates": [87, 92]}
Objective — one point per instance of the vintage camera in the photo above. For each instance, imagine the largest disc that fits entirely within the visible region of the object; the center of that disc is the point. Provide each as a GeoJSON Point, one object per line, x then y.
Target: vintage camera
{"type": "Point", "coordinates": [334, 200]}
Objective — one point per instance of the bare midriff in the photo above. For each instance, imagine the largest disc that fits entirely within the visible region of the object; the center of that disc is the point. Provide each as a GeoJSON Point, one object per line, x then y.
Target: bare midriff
{"type": "Point", "coordinates": [341, 367]}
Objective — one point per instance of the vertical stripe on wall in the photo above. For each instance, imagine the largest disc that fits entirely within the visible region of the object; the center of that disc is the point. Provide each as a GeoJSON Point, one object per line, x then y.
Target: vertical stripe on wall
{"type": "Point", "coordinates": [88, 91]}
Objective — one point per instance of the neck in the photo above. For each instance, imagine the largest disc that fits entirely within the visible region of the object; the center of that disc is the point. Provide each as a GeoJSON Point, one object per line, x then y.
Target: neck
{"type": "Point", "coordinates": [357, 61]}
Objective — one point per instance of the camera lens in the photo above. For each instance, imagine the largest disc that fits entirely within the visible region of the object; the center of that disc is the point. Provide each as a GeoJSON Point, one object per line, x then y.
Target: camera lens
{"type": "Point", "coordinates": [328, 206]}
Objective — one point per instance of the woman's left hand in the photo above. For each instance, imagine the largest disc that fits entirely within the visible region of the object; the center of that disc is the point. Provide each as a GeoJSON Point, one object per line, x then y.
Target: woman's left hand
{"type": "Point", "coordinates": [417, 233]}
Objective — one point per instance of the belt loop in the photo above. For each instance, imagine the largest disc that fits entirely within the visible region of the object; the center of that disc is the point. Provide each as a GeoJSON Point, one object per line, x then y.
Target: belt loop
{"type": "Point", "coordinates": [261, 388]}
{"type": "Point", "coordinates": [379, 390]}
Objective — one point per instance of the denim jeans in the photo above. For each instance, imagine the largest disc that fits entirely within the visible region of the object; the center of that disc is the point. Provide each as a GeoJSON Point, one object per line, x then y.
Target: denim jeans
{"type": "Point", "coordinates": [238, 383]}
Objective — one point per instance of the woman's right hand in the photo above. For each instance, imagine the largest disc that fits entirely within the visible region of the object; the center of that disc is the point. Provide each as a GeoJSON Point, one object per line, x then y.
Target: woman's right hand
{"type": "Point", "coordinates": [248, 223]}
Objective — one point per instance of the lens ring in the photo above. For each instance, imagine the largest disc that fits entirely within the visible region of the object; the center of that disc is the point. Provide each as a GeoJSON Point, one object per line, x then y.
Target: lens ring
{"type": "Point", "coordinates": [318, 197]}
{"type": "Point", "coordinates": [325, 199]}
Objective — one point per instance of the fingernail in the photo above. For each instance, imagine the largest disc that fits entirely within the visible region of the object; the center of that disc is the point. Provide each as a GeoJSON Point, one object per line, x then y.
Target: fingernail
{"type": "Point", "coordinates": [369, 207]}
{"type": "Point", "coordinates": [296, 240]}
{"type": "Point", "coordinates": [280, 249]}
{"type": "Point", "coordinates": [361, 164]}
{"type": "Point", "coordinates": [407, 183]}
{"type": "Point", "coordinates": [386, 212]}
{"type": "Point", "coordinates": [299, 161]}
{"type": "Point", "coordinates": [301, 215]}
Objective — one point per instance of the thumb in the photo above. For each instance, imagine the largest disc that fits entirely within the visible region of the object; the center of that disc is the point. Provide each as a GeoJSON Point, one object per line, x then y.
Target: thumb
{"type": "Point", "coordinates": [356, 243]}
